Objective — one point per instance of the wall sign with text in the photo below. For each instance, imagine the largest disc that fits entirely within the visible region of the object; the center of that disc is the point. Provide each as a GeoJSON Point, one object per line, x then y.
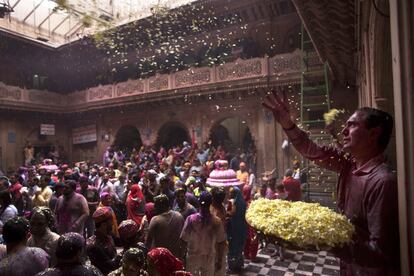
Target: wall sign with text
{"type": "Point", "coordinates": [47, 129]}
{"type": "Point", "coordinates": [84, 134]}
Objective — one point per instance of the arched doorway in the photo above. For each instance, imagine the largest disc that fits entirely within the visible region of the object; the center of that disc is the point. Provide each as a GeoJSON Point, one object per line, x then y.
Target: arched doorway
{"type": "Point", "coordinates": [127, 138]}
{"type": "Point", "coordinates": [172, 134]}
{"type": "Point", "coordinates": [42, 144]}
{"type": "Point", "coordinates": [232, 133]}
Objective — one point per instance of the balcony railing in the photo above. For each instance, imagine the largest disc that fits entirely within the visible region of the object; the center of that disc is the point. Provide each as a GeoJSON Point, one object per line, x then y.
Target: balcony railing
{"type": "Point", "coordinates": [284, 66]}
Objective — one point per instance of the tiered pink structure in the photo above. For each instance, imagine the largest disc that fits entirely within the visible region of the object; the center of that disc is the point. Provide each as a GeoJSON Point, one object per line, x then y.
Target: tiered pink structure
{"type": "Point", "coordinates": [222, 176]}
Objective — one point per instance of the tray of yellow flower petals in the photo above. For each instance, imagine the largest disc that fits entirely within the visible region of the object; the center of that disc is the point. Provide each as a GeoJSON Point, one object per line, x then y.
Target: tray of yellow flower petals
{"type": "Point", "coordinates": [299, 225]}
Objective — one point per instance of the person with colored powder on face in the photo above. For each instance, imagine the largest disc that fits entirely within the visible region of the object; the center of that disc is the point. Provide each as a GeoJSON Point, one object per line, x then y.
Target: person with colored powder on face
{"type": "Point", "coordinates": [71, 210]}
{"type": "Point", "coordinates": [41, 227]}
{"type": "Point", "coordinates": [69, 250]}
{"type": "Point", "coordinates": [132, 264]}
{"type": "Point", "coordinates": [205, 238]}
{"type": "Point", "coordinates": [165, 228]}
{"type": "Point", "coordinates": [100, 247]}
{"type": "Point", "coordinates": [243, 174]}
{"type": "Point", "coordinates": [21, 259]}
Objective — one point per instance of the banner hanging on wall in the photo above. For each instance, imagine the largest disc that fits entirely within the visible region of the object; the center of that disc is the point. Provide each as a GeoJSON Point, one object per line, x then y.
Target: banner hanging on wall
{"type": "Point", "coordinates": [84, 134]}
{"type": "Point", "coordinates": [47, 129]}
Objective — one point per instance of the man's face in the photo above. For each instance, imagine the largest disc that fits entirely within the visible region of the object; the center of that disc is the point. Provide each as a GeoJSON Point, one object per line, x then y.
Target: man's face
{"type": "Point", "coordinates": [130, 268]}
{"type": "Point", "coordinates": [13, 179]}
{"type": "Point", "coordinates": [33, 181]}
{"type": "Point", "coordinates": [38, 224]}
{"type": "Point", "coordinates": [67, 190]}
{"type": "Point", "coordinates": [357, 139]}
{"type": "Point", "coordinates": [42, 182]}
{"type": "Point", "coordinates": [180, 198]}
{"type": "Point", "coordinates": [164, 183]}
{"type": "Point", "coordinates": [295, 166]}
{"type": "Point", "coordinates": [59, 190]}
{"type": "Point", "coordinates": [151, 177]}
{"type": "Point", "coordinates": [83, 185]}
{"type": "Point", "coordinates": [102, 172]}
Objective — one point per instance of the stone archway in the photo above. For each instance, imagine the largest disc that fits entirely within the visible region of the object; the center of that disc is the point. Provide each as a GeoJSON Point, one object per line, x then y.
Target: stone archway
{"type": "Point", "coordinates": [232, 133]}
{"type": "Point", "coordinates": [127, 137]}
{"type": "Point", "coordinates": [172, 134]}
{"type": "Point", "coordinates": [42, 144]}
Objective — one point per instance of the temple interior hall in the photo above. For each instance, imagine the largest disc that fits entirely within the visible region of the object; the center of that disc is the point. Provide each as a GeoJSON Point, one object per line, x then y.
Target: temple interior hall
{"type": "Point", "coordinates": [131, 88]}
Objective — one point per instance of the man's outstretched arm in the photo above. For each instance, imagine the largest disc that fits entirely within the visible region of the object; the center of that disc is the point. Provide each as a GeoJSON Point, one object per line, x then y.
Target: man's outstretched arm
{"type": "Point", "coordinates": [327, 157]}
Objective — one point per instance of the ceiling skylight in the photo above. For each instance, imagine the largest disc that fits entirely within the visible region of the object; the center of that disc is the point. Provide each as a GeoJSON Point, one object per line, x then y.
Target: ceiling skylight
{"type": "Point", "coordinates": [57, 22]}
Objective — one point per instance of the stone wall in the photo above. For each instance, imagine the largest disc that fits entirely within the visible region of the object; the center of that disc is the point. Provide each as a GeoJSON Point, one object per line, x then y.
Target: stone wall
{"type": "Point", "coordinates": [200, 118]}
{"type": "Point", "coordinates": [148, 104]}
{"type": "Point", "coordinates": [17, 129]}
{"type": "Point", "coordinates": [280, 68]}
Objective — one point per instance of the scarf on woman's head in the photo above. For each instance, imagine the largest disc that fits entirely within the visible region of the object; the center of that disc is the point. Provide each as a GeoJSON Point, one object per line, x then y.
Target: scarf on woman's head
{"type": "Point", "coordinates": [149, 211]}
{"type": "Point", "coordinates": [135, 204]}
{"type": "Point", "coordinates": [135, 193]}
{"type": "Point", "coordinates": [165, 262]}
{"type": "Point", "coordinates": [247, 191]}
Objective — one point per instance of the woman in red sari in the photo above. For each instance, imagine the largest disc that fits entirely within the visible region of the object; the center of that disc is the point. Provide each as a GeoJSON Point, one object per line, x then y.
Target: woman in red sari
{"type": "Point", "coordinates": [252, 243]}
{"type": "Point", "coordinates": [135, 204]}
{"type": "Point", "coordinates": [161, 262]}
{"type": "Point", "coordinates": [149, 213]}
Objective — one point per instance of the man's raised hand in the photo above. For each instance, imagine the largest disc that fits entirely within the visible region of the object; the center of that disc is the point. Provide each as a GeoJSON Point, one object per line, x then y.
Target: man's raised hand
{"type": "Point", "coordinates": [279, 109]}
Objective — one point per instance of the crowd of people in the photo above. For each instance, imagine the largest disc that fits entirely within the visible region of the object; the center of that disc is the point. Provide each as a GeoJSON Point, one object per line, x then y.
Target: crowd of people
{"type": "Point", "coordinates": [146, 213]}
{"type": "Point", "coordinates": [152, 213]}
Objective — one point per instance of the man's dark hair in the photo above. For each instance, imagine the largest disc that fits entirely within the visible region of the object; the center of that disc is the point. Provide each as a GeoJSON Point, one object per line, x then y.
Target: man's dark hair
{"type": "Point", "coordinates": [179, 191]}
{"type": "Point", "coordinates": [83, 179]}
{"type": "Point", "coordinates": [378, 118]}
{"type": "Point", "coordinates": [6, 199]}
{"type": "Point", "coordinates": [205, 199]}
{"type": "Point", "coordinates": [135, 178]}
{"type": "Point", "coordinates": [288, 172]}
{"type": "Point", "coordinates": [47, 213]}
{"type": "Point", "coordinates": [161, 204]}
{"type": "Point", "coordinates": [47, 178]}
{"type": "Point", "coordinates": [134, 255]}
{"type": "Point", "coordinates": [15, 230]}
{"type": "Point", "coordinates": [69, 245]}
{"type": "Point", "coordinates": [218, 195]}
{"type": "Point", "coordinates": [71, 183]}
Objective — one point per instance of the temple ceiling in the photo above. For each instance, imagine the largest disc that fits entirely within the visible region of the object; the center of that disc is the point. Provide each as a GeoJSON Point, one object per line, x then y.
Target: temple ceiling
{"type": "Point", "coordinates": [331, 26]}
